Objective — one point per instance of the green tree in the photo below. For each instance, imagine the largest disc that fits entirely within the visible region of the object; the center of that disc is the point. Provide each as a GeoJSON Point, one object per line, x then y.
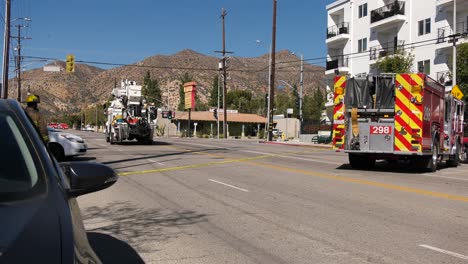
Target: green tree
{"type": "Point", "coordinates": [313, 105]}
{"type": "Point", "coordinates": [214, 93]}
{"type": "Point", "coordinates": [400, 62]}
{"type": "Point", "coordinates": [185, 78]}
{"type": "Point", "coordinates": [462, 68]}
{"type": "Point", "coordinates": [151, 89]}
{"type": "Point", "coordinates": [240, 100]}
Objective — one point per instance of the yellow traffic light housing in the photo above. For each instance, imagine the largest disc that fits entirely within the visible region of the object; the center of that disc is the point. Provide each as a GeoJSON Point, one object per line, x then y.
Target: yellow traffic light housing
{"type": "Point", "coordinates": [70, 63]}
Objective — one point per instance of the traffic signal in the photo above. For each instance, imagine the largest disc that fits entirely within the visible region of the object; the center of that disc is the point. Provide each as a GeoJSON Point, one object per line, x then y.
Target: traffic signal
{"type": "Point", "coordinates": [297, 102]}
{"type": "Point", "coordinates": [215, 113]}
{"type": "Point", "coordinates": [169, 115]}
{"type": "Point", "coordinates": [70, 63]}
{"type": "Point", "coordinates": [266, 100]}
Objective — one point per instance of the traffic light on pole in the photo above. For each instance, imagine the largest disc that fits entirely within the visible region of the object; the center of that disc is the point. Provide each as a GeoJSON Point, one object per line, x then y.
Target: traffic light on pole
{"type": "Point", "coordinates": [215, 113]}
{"type": "Point", "coordinates": [266, 100]}
{"type": "Point", "coordinates": [169, 115]}
{"type": "Point", "coordinates": [70, 63]}
{"type": "Point", "coordinates": [297, 102]}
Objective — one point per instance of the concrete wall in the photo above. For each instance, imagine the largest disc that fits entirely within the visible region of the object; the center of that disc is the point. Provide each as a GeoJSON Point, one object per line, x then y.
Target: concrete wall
{"type": "Point", "coordinates": [289, 125]}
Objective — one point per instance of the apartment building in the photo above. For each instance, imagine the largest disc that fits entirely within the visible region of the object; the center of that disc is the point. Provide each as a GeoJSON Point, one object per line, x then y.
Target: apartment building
{"type": "Point", "coordinates": [359, 32]}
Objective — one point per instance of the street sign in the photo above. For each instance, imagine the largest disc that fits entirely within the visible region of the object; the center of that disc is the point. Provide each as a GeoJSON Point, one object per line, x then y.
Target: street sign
{"type": "Point", "coordinates": [290, 111]}
{"type": "Point", "coordinates": [457, 92]}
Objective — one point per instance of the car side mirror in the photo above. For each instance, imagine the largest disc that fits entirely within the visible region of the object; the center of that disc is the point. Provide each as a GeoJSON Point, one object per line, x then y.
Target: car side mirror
{"type": "Point", "coordinates": [88, 177]}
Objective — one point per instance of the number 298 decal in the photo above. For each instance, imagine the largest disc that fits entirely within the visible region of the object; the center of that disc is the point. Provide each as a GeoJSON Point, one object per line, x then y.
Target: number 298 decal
{"type": "Point", "coordinates": [386, 130]}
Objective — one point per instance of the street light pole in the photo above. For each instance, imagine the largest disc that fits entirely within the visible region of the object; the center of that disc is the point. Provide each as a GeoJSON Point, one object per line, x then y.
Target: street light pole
{"type": "Point", "coordinates": [454, 57]}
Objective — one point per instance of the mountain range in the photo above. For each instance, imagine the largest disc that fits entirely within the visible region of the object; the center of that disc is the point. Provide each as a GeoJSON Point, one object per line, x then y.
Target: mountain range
{"type": "Point", "coordinates": [62, 92]}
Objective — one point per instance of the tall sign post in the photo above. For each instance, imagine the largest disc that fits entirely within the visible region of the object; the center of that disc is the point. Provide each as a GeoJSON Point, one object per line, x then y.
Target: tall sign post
{"type": "Point", "coordinates": [190, 90]}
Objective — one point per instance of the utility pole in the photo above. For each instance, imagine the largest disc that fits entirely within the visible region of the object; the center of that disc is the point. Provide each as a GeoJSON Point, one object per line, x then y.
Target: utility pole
{"type": "Point", "coordinates": [272, 75]}
{"type": "Point", "coordinates": [223, 65]}
{"type": "Point", "coordinates": [454, 57]}
{"type": "Point", "coordinates": [217, 110]}
{"type": "Point", "coordinates": [223, 14]}
{"type": "Point", "coordinates": [301, 92]}
{"type": "Point", "coordinates": [6, 49]}
{"type": "Point", "coordinates": [19, 58]}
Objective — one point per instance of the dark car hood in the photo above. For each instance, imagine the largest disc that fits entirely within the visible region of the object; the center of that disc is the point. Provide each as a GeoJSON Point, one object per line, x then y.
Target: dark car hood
{"type": "Point", "coordinates": [29, 232]}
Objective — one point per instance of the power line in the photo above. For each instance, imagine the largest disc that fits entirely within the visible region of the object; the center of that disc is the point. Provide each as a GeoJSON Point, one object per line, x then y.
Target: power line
{"type": "Point", "coordinates": [354, 55]}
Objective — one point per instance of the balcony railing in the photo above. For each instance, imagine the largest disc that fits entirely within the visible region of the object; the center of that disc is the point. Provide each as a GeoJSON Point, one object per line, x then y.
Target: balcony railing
{"type": "Point", "coordinates": [386, 49]}
{"type": "Point", "coordinates": [444, 32]}
{"type": "Point", "coordinates": [444, 77]}
{"type": "Point", "coordinates": [392, 9]}
{"type": "Point", "coordinates": [338, 61]}
{"type": "Point", "coordinates": [341, 28]}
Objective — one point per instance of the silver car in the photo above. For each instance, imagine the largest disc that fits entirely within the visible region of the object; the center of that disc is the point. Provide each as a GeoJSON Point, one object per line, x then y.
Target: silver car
{"type": "Point", "coordinates": [63, 144]}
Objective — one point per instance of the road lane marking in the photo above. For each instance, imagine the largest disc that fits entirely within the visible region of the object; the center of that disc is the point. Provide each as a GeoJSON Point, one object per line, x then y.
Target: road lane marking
{"type": "Point", "coordinates": [298, 158]}
{"type": "Point", "coordinates": [229, 185]}
{"type": "Point", "coordinates": [193, 166]}
{"type": "Point", "coordinates": [154, 161]}
{"type": "Point", "coordinates": [453, 254]}
{"type": "Point", "coordinates": [365, 182]}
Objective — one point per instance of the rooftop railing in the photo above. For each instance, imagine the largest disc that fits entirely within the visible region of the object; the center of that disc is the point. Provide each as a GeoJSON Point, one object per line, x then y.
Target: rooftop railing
{"type": "Point", "coordinates": [392, 9]}
{"type": "Point", "coordinates": [340, 28]}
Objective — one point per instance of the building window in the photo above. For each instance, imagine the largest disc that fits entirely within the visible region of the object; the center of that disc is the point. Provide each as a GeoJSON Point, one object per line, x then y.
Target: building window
{"type": "Point", "coordinates": [363, 10]}
{"type": "Point", "coordinates": [424, 66]}
{"type": "Point", "coordinates": [362, 45]}
{"type": "Point", "coordinates": [424, 26]}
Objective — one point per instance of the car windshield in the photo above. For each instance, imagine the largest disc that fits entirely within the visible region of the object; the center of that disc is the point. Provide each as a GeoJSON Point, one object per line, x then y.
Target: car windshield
{"type": "Point", "coordinates": [18, 173]}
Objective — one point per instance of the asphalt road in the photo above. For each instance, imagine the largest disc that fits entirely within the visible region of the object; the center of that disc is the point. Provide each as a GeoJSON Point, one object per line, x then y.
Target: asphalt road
{"type": "Point", "coordinates": [235, 201]}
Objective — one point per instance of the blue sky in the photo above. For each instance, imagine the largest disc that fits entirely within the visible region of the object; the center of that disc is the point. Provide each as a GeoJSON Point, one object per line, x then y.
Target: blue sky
{"type": "Point", "coordinates": [124, 31]}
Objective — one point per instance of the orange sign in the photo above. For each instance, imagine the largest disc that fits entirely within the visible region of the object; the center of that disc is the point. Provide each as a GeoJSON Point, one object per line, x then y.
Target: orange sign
{"type": "Point", "coordinates": [190, 90]}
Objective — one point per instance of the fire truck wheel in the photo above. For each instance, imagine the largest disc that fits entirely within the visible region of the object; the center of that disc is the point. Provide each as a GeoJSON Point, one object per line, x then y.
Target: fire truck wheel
{"type": "Point", "coordinates": [107, 139]}
{"type": "Point", "coordinates": [456, 158]}
{"type": "Point", "coordinates": [433, 160]}
{"type": "Point", "coordinates": [360, 161]}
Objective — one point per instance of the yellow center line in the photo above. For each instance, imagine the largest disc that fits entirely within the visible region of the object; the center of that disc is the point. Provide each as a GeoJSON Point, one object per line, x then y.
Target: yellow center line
{"type": "Point", "coordinates": [365, 182]}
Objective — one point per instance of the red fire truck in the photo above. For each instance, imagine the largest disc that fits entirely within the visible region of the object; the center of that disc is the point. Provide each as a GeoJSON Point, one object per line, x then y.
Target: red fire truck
{"type": "Point", "coordinates": [397, 117]}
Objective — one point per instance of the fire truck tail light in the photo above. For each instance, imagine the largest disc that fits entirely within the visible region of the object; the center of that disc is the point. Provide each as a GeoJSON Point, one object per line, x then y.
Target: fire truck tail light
{"type": "Point", "coordinates": [339, 90]}
{"type": "Point", "coordinates": [416, 88]}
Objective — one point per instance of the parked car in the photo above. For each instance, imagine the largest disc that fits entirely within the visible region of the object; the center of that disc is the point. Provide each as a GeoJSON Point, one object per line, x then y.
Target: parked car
{"type": "Point", "coordinates": [40, 219]}
{"type": "Point", "coordinates": [321, 139]}
{"type": "Point", "coordinates": [63, 144]}
{"type": "Point", "coordinates": [53, 125]}
{"type": "Point", "coordinates": [62, 126]}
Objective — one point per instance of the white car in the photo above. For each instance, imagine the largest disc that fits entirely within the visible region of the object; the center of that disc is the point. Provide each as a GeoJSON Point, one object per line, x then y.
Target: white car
{"type": "Point", "coordinates": [62, 144]}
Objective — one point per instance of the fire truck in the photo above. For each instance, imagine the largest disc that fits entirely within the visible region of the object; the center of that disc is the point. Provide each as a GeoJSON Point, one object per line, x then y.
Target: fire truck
{"type": "Point", "coordinates": [397, 117]}
{"type": "Point", "coordinates": [129, 117]}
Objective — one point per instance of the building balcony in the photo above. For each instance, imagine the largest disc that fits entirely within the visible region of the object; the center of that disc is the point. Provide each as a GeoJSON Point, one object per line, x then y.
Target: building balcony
{"type": "Point", "coordinates": [443, 34]}
{"type": "Point", "coordinates": [338, 35]}
{"type": "Point", "coordinates": [388, 16]}
{"type": "Point", "coordinates": [444, 77]}
{"type": "Point", "coordinates": [338, 63]}
{"type": "Point", "coordinates": [444, 3]}
{"type": "Point", "coordinates": [386, 49]}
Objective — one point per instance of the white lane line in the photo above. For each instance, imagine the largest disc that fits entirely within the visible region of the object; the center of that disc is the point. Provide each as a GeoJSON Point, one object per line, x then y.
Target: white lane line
{"type": "Point", "coordinates": [120, 149]}
{"type": "Point", "coordinates": [292, 157]}
{"type": "Point", "coordinates": [154, 161]}
{"type": "Point", "coordinates": [453, 254]}
{"type": "Point", "coordinates": [229, 185]}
